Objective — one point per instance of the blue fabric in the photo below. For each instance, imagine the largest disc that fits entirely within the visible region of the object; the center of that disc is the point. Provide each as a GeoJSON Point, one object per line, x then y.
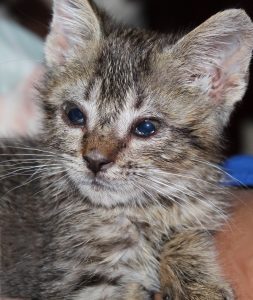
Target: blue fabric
{"type": "Point", "coordinates": [240, 171]}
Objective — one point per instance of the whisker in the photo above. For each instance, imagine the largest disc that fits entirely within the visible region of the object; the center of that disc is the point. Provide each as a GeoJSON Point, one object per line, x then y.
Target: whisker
{"type": "Point", "coordinates": [16, 172]}
{"type": "Point", "coordinates": [31, 148]}
{"type": "Point", "coordinates": [198, 180]}
{"type": "Point", "coordinates": [26, 160]}
{"type": "Point", "coordinates": [26, 154]}
{"type": "Point", "coordinates": [52, 183]}
{"type": "Point", "coordinates": [222, 171]}
{"type": "Point", "coordinates": [184, 191]}
{"type": "Point", "coordinates": [182, 206]}
{"type": "Point", "coordinates": [145, 191]}
{"type": "Point", "coordinates": [29, 180]}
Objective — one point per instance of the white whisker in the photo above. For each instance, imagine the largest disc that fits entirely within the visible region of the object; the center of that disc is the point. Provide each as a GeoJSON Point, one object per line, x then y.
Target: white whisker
{"type": "Point", "coordinates": [222, 171]}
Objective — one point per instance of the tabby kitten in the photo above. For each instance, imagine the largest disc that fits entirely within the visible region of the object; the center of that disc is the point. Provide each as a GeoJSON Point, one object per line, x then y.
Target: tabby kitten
{"type": "Point", "coordinates": [124, 194]}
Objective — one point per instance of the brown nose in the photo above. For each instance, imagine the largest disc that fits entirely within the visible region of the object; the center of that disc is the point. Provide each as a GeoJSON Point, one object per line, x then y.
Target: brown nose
{"type": "Point", "coordinates": [96, 161]}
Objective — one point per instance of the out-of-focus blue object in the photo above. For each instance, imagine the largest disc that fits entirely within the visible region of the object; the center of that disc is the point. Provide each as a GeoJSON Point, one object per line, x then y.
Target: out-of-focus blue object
{"type": "Point", "coordinates": [240, 171]}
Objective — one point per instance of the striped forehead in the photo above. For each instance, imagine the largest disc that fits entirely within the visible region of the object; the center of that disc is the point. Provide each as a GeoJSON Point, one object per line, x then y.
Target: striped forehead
{"type": "Point", "coordinates": [105, 112]}
{"type": "Point", "coordinates": [119, 68]}
{"type": "Point", "coordinates": [114, 89]}
{"type": "Point", "coordinates": [109, 118]}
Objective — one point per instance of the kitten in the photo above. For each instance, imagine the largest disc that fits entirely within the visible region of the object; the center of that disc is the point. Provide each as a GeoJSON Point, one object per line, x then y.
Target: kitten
{"type": "Point", "coordinates": [124, 194]}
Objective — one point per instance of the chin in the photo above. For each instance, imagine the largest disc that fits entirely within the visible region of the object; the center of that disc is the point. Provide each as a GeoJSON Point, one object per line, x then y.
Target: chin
{"type": "Point", "coordinates": [104, 192]}
{"type": "Point", "coordinates": [109, 197]}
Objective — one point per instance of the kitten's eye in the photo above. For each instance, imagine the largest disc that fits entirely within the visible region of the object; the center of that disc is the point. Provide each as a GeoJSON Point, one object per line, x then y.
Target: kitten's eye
{"type": "Point", "coordinates": [75, 116]}
{"type": "Point", "coordinates": [145, 128]}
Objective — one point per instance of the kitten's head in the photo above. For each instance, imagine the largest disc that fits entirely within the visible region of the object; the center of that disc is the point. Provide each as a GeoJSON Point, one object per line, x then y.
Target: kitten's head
{"type": "Point", "coordinates": [136, 114]}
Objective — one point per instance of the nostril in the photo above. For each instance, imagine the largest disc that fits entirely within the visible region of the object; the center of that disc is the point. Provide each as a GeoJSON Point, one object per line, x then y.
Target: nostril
{"type": "Point", "coordinates": [106, 164]}
{"type": "Point", "coordinates": [96, 165]}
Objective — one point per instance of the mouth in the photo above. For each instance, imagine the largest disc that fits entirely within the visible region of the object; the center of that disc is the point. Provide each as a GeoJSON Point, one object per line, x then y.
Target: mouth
{"type": "Point", "coordinates": [98, 183]}
{"type": "Point", "coordinates": [103, 189]}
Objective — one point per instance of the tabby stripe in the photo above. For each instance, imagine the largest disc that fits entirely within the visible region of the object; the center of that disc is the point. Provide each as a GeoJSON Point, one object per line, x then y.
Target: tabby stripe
{"type": "Point", "coordinates": [89, 280]}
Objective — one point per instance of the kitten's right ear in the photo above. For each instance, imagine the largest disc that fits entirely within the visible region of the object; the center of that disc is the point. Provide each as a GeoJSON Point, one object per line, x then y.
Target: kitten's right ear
{"type": "Point", "coordinates": [75, 25]}
{"type": "Point", "coordinates": [215, 58]}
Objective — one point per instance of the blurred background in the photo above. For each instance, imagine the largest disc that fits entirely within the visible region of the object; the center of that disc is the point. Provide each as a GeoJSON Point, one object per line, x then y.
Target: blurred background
{"type": "Point", "coordinates": [161, 15]}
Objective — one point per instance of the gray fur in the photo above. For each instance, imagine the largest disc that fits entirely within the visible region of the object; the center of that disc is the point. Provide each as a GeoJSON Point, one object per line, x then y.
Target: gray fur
{"type": "Point", "coordinates": [149, 220]}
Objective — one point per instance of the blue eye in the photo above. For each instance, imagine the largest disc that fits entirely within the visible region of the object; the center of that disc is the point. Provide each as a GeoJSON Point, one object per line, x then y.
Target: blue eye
{"type": "Point", "coordinates": [76, 117]}
{"type": "Point", "coordinates": [145, 128]}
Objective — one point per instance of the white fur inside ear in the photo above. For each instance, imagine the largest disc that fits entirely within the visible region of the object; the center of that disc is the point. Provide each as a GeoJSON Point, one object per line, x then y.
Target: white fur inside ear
{"type": "Point", "coordinates": [216, 55]}
{"type": "Point", "coordinates": [77, 20]}
{"type": "Point", "coordinates": [224, 74]}
{"type": "Point", "coordinates": [74, 26]}
{"type": "Point", "coordinates": [204, 83]}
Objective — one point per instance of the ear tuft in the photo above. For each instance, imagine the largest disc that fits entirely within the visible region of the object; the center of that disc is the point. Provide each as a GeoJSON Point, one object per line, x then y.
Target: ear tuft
{"type": "Point", "coordinates": [75, 25]}
{"type": "Point", "coordinates": [216, 55]}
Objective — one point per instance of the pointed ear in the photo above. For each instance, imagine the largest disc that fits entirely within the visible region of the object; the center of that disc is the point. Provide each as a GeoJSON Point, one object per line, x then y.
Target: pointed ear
{"type": "Point", "coordinates": [75, 25]}
{"type": "Point", "coordinates": [215, 56]}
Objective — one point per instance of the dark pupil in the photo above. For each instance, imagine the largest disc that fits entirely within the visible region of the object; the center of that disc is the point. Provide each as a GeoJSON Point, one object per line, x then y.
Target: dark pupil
{"type": "Point", "coordinates": [76, 116]}
{"type": "Point", "coordinates": [145, 128]}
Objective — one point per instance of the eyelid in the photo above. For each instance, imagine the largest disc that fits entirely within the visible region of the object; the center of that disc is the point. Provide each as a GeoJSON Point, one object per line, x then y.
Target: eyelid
{"type": "Point", "coordinates": [158, 123]}
{"type": "Point", "coordinates": [69, 105]}
{"type": "Point", "coordinates": [151, 119]}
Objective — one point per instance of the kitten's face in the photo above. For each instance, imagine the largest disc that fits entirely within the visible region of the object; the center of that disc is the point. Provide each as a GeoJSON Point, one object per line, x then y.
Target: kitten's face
{"type": "Point", "coordinates": [130, 117]}
{"type": "Point", "coordinates": [131, 123]}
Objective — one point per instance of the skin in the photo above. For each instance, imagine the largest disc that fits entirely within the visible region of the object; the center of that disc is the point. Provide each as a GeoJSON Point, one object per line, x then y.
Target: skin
{"type": "Point", "coordinates": [235, 247]}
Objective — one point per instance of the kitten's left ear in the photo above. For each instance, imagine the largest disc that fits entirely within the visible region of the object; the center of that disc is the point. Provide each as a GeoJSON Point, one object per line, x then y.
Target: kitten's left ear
{"type": "Point", "coordinates": [216, 56]}
{"type": "Point", "coordinates": [75, 25]}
